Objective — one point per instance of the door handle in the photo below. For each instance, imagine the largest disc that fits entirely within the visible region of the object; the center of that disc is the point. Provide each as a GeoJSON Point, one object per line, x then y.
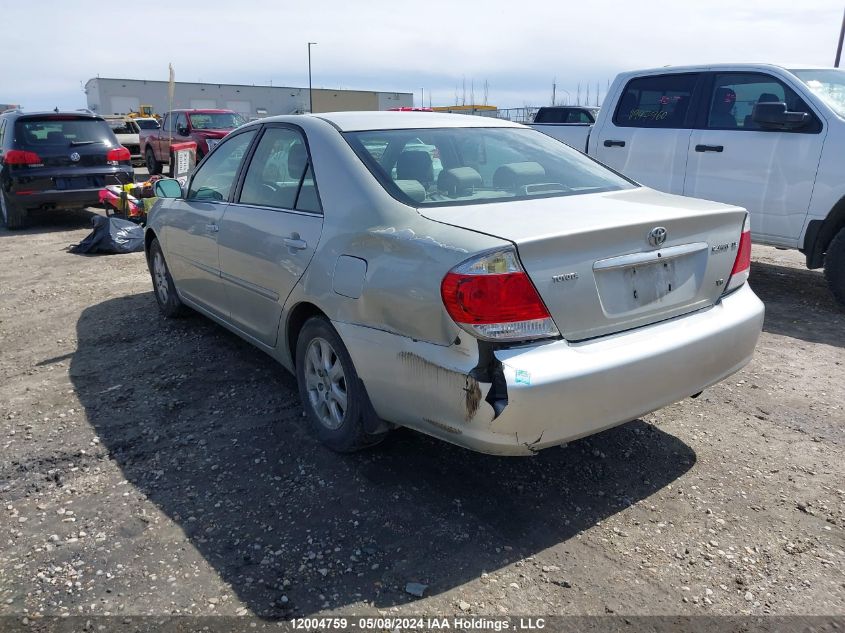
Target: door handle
{"type": "Point", "coordinates": [212, 228]}
{"type": "Point", "coordinates": [709, 148]}
{"type": "Point", "coordinates": [295, 243]}
{"type": "Point", "coordinates": [609, 143]}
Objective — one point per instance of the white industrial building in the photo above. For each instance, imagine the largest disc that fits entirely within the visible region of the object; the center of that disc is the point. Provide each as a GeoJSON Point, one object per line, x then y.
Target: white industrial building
{"type": "Point", "coordinates": [122, 96]}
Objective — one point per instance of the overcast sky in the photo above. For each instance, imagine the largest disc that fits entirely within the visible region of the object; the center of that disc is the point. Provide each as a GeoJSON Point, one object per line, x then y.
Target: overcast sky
{"type": "Point", "coordinates": [519, 48]}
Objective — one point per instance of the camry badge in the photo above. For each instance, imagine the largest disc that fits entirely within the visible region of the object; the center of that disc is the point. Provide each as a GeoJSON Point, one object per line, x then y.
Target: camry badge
{"type": "Point", "coordinates": [75, 157]}
{"type": "Point", "coordinates": [564, 277]}
{"type": "Point", "coordinates": [657, 236]}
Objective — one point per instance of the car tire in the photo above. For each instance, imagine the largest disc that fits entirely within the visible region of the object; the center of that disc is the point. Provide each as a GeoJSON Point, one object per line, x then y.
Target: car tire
{"type": "Point", "coordinates": [14, 216]}
{"type": "Point", "coordinates": [834, 266]}
{"type": "Point", "coordinates": [332, 395]}
{"type": "Point", "coordinates": [163, 287]}
{"type": "Point", "coordinates": [153, 165]}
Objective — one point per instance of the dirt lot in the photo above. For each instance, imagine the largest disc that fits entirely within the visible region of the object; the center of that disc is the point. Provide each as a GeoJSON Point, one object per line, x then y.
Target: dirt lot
{"type": "Point", "coordinates": [155, 467]}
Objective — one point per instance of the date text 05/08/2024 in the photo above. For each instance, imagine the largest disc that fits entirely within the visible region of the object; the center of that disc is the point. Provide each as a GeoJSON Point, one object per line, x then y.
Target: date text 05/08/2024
{"type": "Point", "coordinates": [458, 623]}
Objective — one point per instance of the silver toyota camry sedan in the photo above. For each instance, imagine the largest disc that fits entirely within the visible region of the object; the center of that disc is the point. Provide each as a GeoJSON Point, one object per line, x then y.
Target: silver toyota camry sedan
{"type": "Point", "coordinates": [467, 277]}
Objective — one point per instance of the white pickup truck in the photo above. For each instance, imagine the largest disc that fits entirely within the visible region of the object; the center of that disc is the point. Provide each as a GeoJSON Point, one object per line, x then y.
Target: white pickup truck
{"type": "Point", "coordinates": [766, 137]}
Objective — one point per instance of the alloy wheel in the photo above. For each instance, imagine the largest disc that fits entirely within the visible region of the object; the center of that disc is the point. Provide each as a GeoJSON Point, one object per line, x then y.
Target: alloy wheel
{"type": "Point", "coordinates": [325, 383]}
{"type": "Point", "coordinates": [160, 275]}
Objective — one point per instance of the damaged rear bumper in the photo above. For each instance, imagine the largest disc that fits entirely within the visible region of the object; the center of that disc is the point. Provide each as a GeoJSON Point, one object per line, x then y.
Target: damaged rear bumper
{"type": "Point", "coordinates": [556, 391]}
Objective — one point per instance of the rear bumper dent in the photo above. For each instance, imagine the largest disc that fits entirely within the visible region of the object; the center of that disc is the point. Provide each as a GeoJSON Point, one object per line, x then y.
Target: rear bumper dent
{"type": "Point", "coordinates": [556, 391]}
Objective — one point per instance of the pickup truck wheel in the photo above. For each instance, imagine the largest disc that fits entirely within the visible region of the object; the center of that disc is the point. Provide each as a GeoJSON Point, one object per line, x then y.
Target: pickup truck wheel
{"type": "Point", "coordinates": [331, 393]}
{"type": "Point", "coordinates": [165, 291]}
{"type": "Point", "coordinates": [14, 217]}
{"type": "Point", "coordinates": [153, 166]}
{"type": "Point", "coordinates": [834, 266]}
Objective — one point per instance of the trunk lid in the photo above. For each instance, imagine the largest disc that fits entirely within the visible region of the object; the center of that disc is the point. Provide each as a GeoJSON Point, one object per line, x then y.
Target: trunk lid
{"type": "Point", "coordinates": [590, 258]}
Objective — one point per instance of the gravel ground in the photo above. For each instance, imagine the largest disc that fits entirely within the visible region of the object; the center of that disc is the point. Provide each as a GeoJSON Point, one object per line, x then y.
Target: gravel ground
{"type": "Point", "coordinates": [156, 467]}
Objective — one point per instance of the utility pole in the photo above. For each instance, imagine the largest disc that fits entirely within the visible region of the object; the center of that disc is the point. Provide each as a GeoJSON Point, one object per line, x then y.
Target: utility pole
{"type": "Point", "coordinates": [310, 92]}
{"type": "Point", "coordinates": [839, 47]}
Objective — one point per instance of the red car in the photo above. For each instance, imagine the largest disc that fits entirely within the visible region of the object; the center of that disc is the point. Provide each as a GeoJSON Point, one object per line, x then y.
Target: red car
{"type": "Point", "coordinates": [204, 127]}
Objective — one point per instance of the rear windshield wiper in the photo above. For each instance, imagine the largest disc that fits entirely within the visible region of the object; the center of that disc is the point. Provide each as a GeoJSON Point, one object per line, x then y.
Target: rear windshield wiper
{"type": "Point", "coordinates": [76, 143]}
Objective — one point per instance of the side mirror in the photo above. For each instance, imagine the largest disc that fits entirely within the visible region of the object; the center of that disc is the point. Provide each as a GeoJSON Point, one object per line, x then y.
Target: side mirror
{"type": "Point", "coordinates": [182, 130]}
{"type": "Point", "coordinates": [775, 116]}
{"type": "Point", "coordinates": [167, 188]}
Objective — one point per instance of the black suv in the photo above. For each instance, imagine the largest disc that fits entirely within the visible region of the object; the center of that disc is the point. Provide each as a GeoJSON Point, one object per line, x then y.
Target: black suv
{"type": "Point", "coordinates": [56, 160]}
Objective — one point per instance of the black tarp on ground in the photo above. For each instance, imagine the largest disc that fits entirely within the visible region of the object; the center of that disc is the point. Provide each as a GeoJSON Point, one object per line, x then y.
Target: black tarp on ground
{"type": "Point", "coordinates": [111, 235]}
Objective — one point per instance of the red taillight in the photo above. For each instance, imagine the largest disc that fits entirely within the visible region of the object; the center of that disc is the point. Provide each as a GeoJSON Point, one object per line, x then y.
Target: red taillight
{"type": "Point", "coordinates": [118, 154]}
{"type": "Point", "coordinates": [743, 255]}
{"type": "Point", "coordinates": [475, 299]}
{"type": "Point", "coordinates": [492, 297]}
{"type": "Point", "coordinates": [742, 263]}
{"type": "Point", "coordinates": [21, 157]}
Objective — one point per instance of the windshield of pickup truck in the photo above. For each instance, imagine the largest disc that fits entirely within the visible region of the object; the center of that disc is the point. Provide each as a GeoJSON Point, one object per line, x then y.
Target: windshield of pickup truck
{"type": "Point", "coordinates": [216, 120]}
{"type": "Point", "coordinates": [828, 84]}
{"type": "Point", "coordinates": [459, 166]}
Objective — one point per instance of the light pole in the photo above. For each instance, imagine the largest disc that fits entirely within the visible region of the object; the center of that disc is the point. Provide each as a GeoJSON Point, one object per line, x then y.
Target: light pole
{"type": "Point", "coordinates": [310, 97]}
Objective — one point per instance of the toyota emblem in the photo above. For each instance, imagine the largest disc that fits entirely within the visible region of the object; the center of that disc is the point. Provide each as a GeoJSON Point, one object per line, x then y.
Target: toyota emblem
{"type": "Point", "coordinates": [75, 157]}
{"type": "Point", "coordinates": [657, 236]}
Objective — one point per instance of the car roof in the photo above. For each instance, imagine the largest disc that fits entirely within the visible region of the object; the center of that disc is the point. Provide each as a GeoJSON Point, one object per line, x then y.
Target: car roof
{"type": "Point", "coordinates": [723, 66]}
{"type": "Point", "coordinates": [202, 110]}
{"type": "Point", "coordinates": [392, 120]}
{"type": "Point", "coordinates": [53, 113]}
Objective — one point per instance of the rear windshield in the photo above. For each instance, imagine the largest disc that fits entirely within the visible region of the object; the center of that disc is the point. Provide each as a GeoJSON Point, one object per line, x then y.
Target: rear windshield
{"type": "Point", "coordinates": [122, 127]}
{"type": "Point", "coordinates": [459, 166]}
{"type": "Point", "coordinates": [216, 120]}
{"type": "Point", "coordinates": [62, 131]}
{"type": "Point", "coordinates": [147, 124]}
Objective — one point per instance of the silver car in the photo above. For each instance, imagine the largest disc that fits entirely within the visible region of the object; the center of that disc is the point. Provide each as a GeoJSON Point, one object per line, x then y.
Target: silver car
{"type": "Point", "coordinates": [522, 297]}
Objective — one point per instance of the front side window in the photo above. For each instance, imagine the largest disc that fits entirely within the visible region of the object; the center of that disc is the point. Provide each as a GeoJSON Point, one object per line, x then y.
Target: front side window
{"type": "Point", "coordinates": [459, 166]}
{"type": "Point", "coordinates": [734, 96]}
{"type": "Point", "coordinates": [181, 124]}
{"type": "Point", "coordinates": [214, 179]}
{"type": "Point", "coordinates": [279, 174]}
{"type": "Point", "coordinates": [660, 101]}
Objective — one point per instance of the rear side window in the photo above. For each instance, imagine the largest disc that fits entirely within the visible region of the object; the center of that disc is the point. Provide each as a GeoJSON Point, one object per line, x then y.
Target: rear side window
{"type": "Point", "coordinates": [578, 116]}
{"type": "Point", "coordinates": [279, 174]}
{"type": "Point", "coordinates": [660, 101]}
{"type": "Point", "coordinates": [550, 115]}
{"type": "Point", "coordinates": [62, 131]}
